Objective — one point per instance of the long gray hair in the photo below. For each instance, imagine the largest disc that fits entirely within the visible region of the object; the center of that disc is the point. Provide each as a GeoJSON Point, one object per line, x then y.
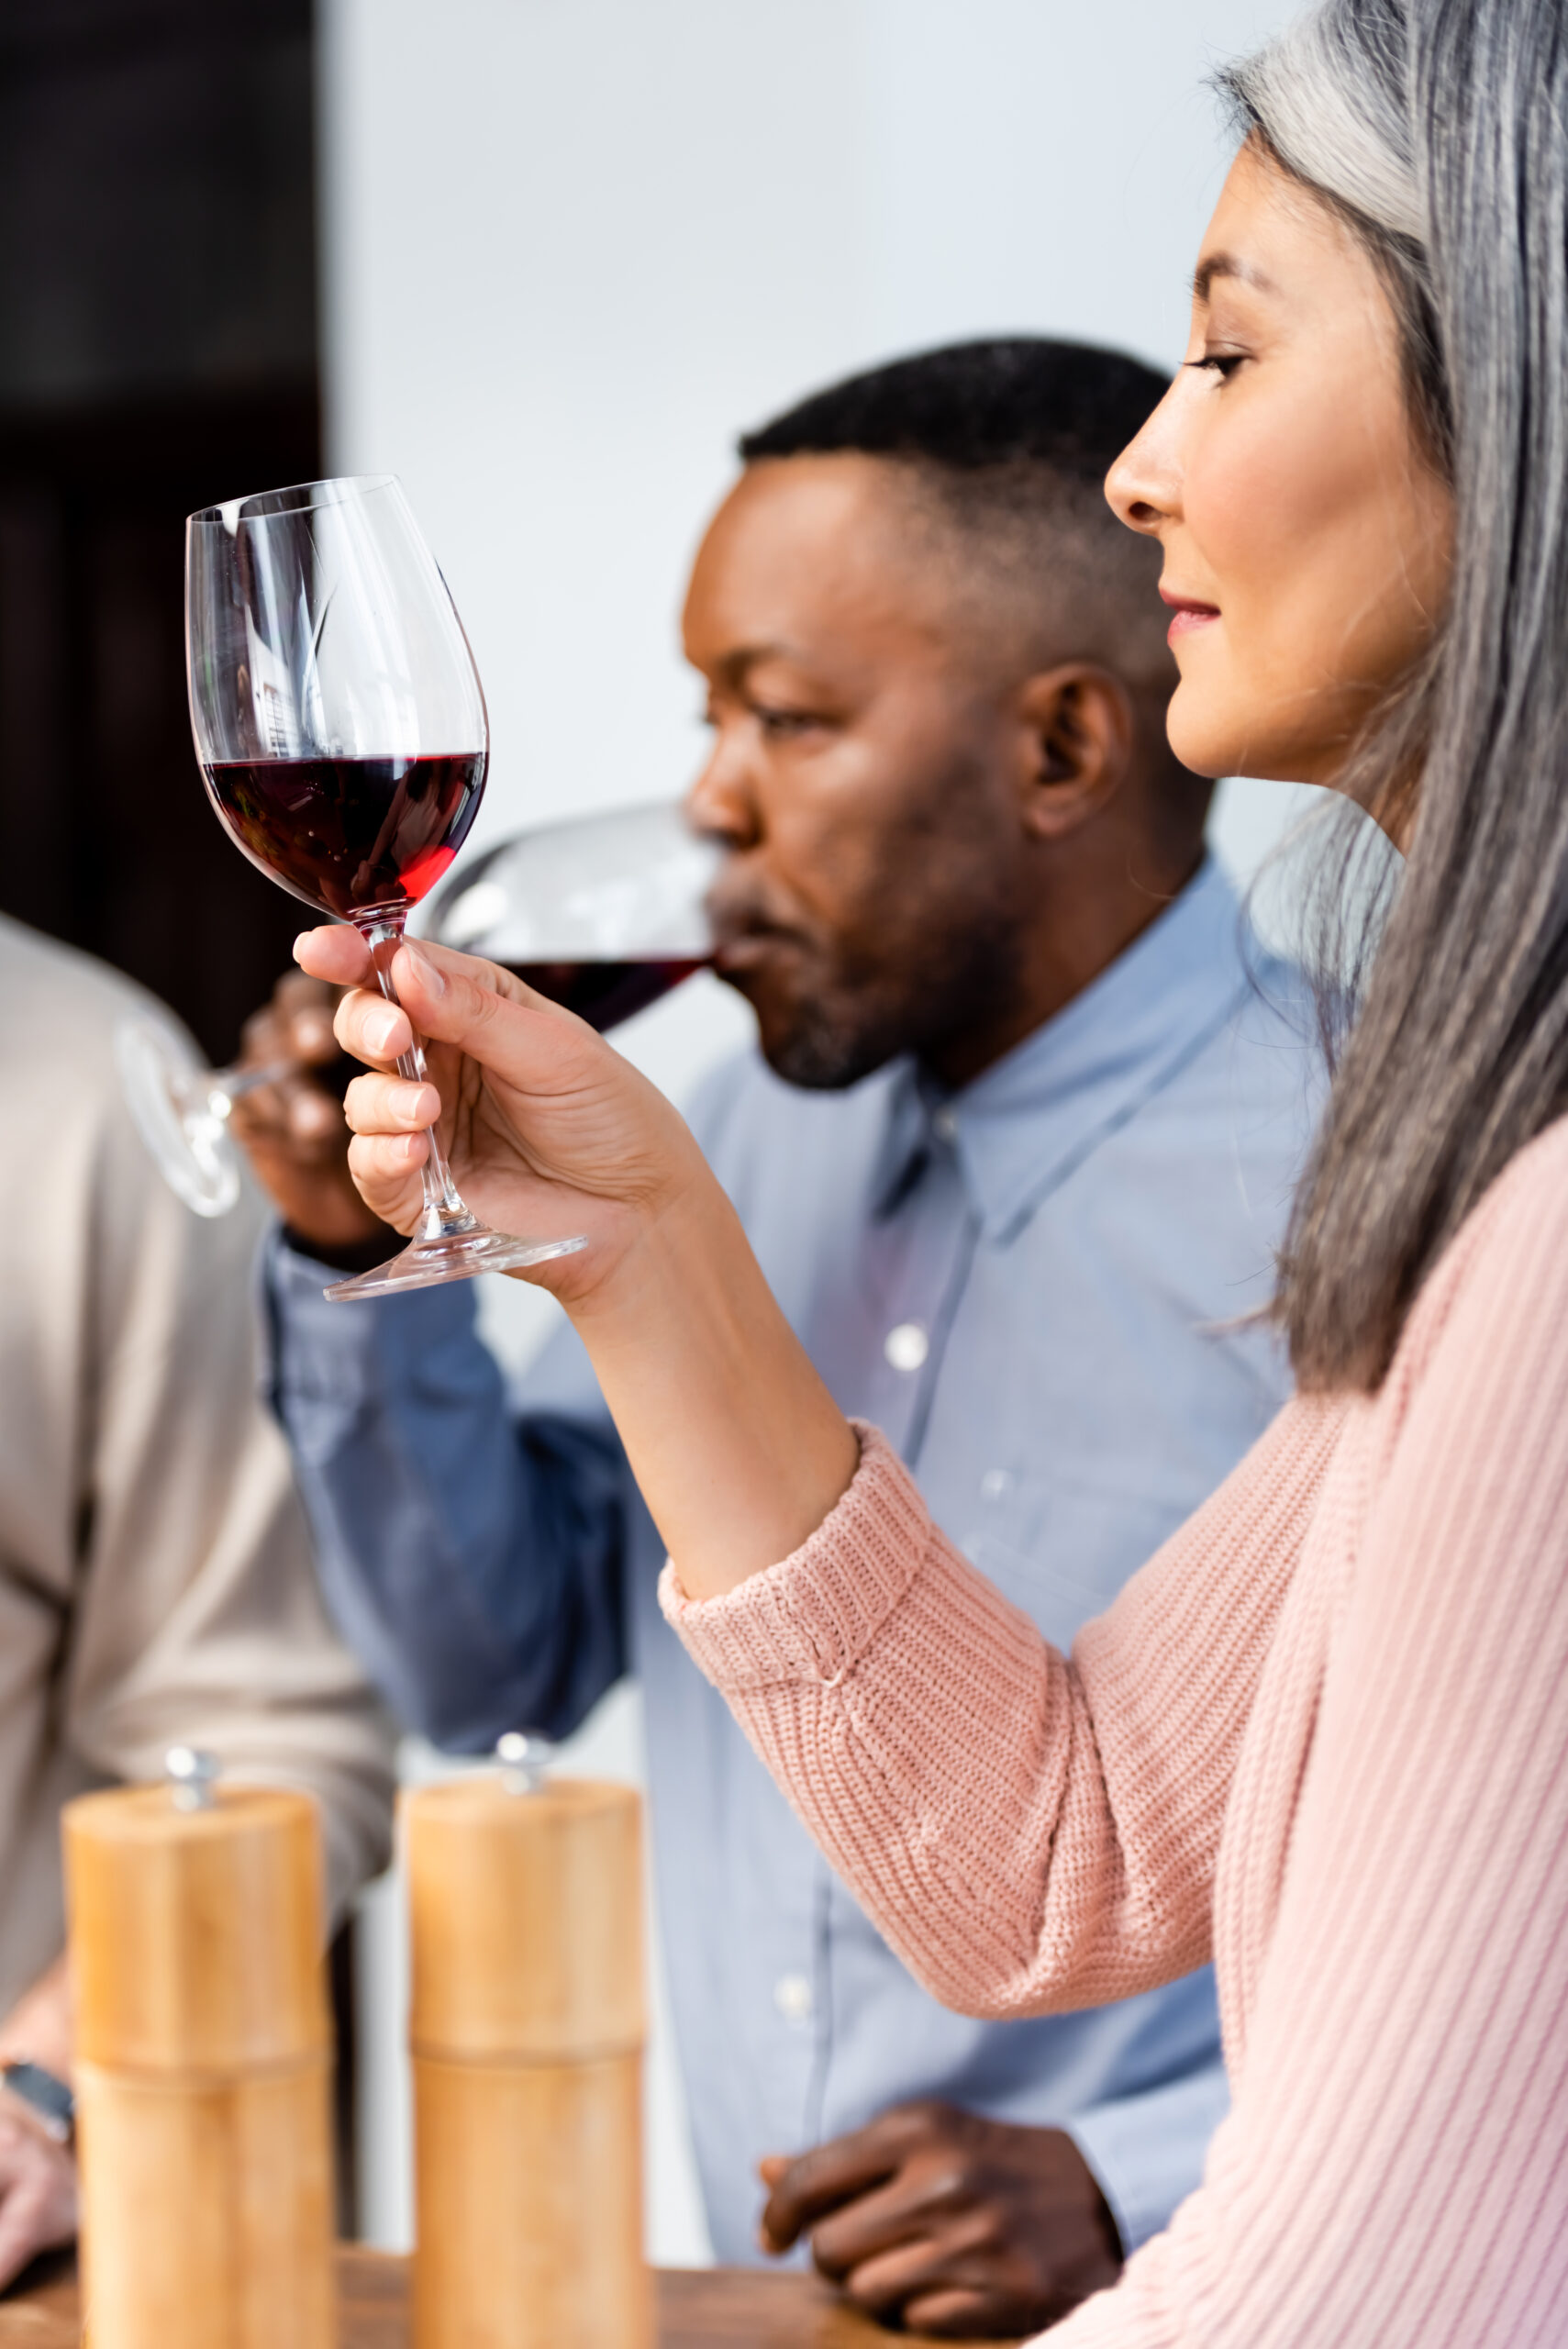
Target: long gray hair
{"type": "Point", "coordinates": [1439, 130]}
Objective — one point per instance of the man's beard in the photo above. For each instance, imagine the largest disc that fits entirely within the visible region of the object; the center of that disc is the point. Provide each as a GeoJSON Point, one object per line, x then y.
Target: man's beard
{"type": "Point", "coordinates": [857, 1021]}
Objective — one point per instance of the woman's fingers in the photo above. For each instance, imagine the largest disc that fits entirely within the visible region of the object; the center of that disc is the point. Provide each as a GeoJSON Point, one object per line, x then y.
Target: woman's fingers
{"type": "Point", "coordinates": [334, 952]}
{"type": "Point", "coordinates": [372, 1028]}
{"type": "Point", "coordinates": [460, 1000]}
{"type": "Point", "coordinates": [386, 1170]}
{"type": "Point", "coordinates": [390, 1105]}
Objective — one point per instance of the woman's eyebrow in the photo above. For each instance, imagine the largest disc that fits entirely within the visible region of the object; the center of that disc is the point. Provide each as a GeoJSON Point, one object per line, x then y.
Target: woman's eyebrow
{"type": "Point", "coordinates": [1215, 265]}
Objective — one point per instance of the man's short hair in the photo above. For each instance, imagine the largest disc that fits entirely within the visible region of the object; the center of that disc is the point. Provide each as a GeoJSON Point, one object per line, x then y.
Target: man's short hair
{"type": "Point", "coordinates": [1066, 408]}
{"type": "Point", "coordinates": [1008, 442]}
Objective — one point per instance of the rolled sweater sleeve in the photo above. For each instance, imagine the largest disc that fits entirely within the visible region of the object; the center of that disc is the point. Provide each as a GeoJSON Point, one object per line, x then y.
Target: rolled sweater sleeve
{"type": "Point", "coordinates": [1031, 1833]}
{"type": "Point", "coordinates": [1393, 2168]}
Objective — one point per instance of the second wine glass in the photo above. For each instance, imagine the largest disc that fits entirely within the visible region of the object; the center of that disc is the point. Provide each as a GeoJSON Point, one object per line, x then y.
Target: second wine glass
{"type": "Point", "coordinates": [342, 735]}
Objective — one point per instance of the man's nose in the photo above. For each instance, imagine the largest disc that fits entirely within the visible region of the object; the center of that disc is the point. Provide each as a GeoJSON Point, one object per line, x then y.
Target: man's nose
{"type": "Point", "coordinates": [722, 802]}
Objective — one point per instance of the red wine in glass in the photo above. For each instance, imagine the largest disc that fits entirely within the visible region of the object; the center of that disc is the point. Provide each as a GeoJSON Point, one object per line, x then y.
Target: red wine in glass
{"type": "Point", "coordinates": [603, 913]}
{"type": "Point", "coordinates": [342, 735]}
{"type": "Point", "coordinates": [604, 994]}
{"type": "Point", "coordinates": [345, 834]}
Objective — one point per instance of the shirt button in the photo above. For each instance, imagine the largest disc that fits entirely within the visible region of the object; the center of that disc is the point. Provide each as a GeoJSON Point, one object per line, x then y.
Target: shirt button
{"type": "Point", "coordinates": [944, 1125]}
{"type": "Point", "coordinates": [792, 1996]}
{"type": "Point", "coordinates": [908, 1346]}
{"type": "Point", "coordinates": [996, 1485]}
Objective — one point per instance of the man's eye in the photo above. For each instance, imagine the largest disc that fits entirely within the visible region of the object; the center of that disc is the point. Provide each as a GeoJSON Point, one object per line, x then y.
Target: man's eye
{"type": "Point", "coordinates": [782, 722]}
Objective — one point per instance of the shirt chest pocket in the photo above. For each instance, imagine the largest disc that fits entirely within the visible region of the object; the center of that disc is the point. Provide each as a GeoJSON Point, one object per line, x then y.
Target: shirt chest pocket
{"type": "Point", "coordinates": [1060, 1547]}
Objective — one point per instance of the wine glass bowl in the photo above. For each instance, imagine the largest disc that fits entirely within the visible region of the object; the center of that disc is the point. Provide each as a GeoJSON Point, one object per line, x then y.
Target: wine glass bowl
{"type": "Point", "coordinates": [338, 717]}
{"type": "Point", "coordinates": [181, 1110]}
{"type": "Point", "coordinates": [342, 732]}
{"type": "Point", "coordinates": [603, 913]}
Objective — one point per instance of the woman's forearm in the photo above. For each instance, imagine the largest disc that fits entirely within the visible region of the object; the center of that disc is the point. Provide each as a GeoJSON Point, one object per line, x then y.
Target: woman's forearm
{"type": "Point", "coordinates": [739, 1448]}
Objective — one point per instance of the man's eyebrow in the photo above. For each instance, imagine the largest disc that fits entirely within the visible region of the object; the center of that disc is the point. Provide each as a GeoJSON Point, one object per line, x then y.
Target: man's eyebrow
{"type": "Point", "coordinates": [1228, 265]}
{"type": "Point", "coordinates": [732, 666]}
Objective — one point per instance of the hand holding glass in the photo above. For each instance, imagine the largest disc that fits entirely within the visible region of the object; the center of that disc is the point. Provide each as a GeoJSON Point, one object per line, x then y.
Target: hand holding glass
{"type": "Point", "coordinates": [342, 737]}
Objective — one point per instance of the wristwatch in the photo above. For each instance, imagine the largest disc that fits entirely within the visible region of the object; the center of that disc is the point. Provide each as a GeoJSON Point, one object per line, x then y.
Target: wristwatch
{"type": "Point", "coordinates": [48, 2098]}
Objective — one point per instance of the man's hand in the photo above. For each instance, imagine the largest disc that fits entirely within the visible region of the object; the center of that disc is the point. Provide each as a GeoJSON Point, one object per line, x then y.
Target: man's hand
{"type": "Point", "coordinates": [947, 2223]}
{"type": "Point", "coordinates": [294, 1132]}
{"type": "Point", "coordinates": [38, 2175]}
{"type": "Point", "coordinates": [37, 2190]}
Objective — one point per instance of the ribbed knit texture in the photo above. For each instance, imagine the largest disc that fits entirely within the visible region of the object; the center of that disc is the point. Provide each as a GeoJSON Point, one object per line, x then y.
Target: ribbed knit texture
{"type": "Point", "coordinates": [1323, 1737]}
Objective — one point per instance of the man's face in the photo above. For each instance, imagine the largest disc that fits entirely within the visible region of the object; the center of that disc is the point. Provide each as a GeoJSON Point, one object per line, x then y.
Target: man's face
{"type": "Point", "coordinates": [864, 772]}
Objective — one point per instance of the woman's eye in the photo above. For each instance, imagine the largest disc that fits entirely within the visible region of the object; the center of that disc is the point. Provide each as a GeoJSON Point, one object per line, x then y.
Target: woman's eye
{"type": "Point", "coordinates": [1223, 363]}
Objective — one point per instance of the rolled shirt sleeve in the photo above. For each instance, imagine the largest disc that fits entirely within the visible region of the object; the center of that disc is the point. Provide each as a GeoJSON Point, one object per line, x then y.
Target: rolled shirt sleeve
{"type": "Point", "coordinates": [1146, 2151]}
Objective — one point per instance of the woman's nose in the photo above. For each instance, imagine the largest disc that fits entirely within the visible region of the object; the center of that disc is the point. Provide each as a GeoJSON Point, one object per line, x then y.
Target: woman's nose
{"type": "Point", "coordinates": [1143, 485]}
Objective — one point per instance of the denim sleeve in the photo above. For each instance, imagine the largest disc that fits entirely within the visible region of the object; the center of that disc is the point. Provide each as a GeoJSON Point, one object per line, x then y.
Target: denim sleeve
{"type": "Point", "coordinates": [474, 1561]}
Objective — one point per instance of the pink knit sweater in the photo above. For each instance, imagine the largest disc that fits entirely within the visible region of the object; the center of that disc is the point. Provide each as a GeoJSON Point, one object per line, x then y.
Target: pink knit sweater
{"type": "Point", "coordinates": [1321, 1738]}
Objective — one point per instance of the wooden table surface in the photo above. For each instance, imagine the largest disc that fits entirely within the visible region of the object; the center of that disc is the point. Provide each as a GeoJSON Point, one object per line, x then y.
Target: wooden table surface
{"type": "Point", "coordinates": [719, 2308]}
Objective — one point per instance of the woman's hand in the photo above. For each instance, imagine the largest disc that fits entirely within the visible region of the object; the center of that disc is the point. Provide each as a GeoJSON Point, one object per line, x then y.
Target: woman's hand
{"type": "Point", "coordinates": [739, 1448]}
{"type": "Point", "coordinates": [548, 1130]}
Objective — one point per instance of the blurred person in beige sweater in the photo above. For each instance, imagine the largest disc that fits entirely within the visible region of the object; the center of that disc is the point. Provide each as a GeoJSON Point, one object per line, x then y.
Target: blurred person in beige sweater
{"type": "Point", "coordinates": [156, 1581]}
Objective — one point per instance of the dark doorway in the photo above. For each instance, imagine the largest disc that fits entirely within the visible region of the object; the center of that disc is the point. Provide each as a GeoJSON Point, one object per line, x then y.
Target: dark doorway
{"type": "Point", "coordinates": [157, 353]}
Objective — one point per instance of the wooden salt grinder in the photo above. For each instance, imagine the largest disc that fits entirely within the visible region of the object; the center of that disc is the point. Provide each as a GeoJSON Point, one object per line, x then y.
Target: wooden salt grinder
{"type": "Point", "coordinates": [203, 2066]}
{"type": "Point", "coordinates": [527, 2026]}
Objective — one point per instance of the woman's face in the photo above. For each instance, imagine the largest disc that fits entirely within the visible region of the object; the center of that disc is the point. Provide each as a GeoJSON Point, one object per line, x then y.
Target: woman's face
{"type": "Point", "coordinates": [1306, 541]}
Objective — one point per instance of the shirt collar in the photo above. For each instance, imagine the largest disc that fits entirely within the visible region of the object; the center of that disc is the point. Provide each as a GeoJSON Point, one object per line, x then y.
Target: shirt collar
{"type": "Point", "coordinates": [1027, 1121]}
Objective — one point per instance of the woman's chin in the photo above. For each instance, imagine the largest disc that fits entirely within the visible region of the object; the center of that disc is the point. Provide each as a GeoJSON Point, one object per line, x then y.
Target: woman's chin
{"type": "Point", "coordinates": [1214, 737]}
{"type": "Point", "coordinates": [1199, 735]}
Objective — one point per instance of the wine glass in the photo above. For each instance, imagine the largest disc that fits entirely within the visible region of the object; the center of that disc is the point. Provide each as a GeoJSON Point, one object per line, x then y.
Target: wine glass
{"type": "Point", "coordinates": [181, 1109]}
{"type": "Point", "coordinates": [603, 913]}
{"type": "Point", "coordinates": [342, 738]}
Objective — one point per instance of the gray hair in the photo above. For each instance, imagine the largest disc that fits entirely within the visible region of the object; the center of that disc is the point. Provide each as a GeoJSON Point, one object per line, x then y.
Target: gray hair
{"type": "Point", "coordinates": [1439, 130]}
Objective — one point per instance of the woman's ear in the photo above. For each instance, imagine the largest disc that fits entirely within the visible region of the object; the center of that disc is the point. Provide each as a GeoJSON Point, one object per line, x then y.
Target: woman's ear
{"type": "Point", "coordinates": [1075, 734]}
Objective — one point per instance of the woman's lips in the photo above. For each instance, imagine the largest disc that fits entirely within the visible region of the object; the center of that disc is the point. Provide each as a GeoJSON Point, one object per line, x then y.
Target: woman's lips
{"type": "Point", "coordinates": [1189, 614]}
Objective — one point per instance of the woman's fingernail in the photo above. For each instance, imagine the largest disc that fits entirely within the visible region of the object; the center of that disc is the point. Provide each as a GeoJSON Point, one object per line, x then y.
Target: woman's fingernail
{"type": "Point", "coordinates": [379, 1027]}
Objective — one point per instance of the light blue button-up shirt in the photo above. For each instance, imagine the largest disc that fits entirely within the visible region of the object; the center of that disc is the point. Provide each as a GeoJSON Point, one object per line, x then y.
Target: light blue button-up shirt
{"type": "Point", "coordinates": [1039, 1288]}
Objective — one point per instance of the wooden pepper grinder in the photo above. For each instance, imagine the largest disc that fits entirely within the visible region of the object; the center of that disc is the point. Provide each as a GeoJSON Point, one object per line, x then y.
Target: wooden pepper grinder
{"type": "Point", "coordinates": [203, 2065]}
{"type": "Point", "coordinates": [527, 2024]}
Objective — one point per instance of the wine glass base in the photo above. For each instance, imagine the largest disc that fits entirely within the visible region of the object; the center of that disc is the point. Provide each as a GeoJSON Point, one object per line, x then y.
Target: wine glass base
{"type": "Point", "coordinates": [426, 1263]}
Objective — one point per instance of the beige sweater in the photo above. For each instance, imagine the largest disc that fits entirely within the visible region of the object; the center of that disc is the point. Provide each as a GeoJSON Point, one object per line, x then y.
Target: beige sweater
{"type": "Point", "coordinates": [155, 1574]}
{"type": "Point", "coordinates": [1323, 1737]}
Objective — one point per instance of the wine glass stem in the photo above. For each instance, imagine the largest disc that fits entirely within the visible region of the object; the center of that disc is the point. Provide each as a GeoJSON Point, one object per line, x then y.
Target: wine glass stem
{"type": "Point", "coordinates": [445, 1216]}
{"type": "Point", "coordinates": [224, 1086]}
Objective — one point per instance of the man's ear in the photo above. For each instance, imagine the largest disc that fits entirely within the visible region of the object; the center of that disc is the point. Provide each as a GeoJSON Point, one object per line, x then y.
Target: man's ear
{"type": "Point", "coordinates": [1075, 734]}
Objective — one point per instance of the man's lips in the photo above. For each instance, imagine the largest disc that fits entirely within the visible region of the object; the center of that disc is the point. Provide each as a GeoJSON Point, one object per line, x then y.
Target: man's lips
{"type": "Point", "coordinates": [739, 949]}
{"type": "Point", "coordinates": [1189, 614]}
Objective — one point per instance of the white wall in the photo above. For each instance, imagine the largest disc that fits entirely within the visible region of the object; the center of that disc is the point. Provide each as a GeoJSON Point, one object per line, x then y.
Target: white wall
{"type": "Point", "coordinates": [572, 246]}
